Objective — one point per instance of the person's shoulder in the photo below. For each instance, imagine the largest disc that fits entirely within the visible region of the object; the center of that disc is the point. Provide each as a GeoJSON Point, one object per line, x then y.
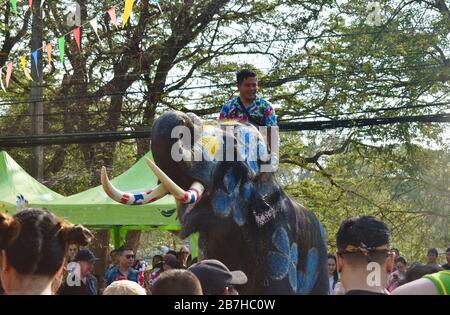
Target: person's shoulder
{"type": "Point", "coordinates": [263, 101]}
{"type": "Point", "coordinates": [231, 101]}
{"type": "Point", "coordinates": [422, 286]}
{"type": "Point", "coordinates": [111, 270]}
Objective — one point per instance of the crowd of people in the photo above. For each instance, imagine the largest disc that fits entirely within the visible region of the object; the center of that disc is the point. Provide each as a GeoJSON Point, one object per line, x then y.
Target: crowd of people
{"type": "Point", "coordinates": [40, 255]}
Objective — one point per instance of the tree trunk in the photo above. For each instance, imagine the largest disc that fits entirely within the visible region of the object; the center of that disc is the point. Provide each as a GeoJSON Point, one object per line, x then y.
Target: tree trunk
{"type": "Point", "coordinates": [100, 248]}
{"type": "Point", "coordinates": [132, 239]}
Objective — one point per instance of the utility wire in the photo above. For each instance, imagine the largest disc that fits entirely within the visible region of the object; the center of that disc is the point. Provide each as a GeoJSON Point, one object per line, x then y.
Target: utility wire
{"type": "Point", "coordinates": [112, 136]}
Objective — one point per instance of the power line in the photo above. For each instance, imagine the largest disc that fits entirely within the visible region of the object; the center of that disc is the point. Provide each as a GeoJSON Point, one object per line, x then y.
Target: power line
{"type": "Point", "coordinates": [111, 136]}
{"type": "Point", "coordinates": [137, 112]}
{"type": "Point", "coordinates": [280, 81]}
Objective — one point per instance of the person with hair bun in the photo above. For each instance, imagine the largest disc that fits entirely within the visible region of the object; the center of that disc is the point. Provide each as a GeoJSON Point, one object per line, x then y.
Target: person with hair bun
{"type": "Point", "coordinates": [33, 246]}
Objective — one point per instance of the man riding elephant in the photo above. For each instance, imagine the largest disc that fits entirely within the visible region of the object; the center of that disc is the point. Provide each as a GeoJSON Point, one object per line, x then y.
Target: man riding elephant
{"type": "Point", "coordinates": [222, 178]}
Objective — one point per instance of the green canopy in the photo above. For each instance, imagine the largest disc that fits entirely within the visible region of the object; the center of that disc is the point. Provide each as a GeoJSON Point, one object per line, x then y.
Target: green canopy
{"type": "Point", "coordinates": [91, 207]}
{"type": "Point", "coordinates": [14, 181]}
{"type": "Point", "coordinates": [94, 208]}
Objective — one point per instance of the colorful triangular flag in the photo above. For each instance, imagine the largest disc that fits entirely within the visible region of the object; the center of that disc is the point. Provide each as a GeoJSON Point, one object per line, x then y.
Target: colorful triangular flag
{"type": "Point", "coordinates": [94, 25]}
{"type": "Point", "coordinates": [9, 69]}
{"type": "Point", "coordinates": [61, 42]}
{"type": "Point", "coordinates": [14, 6]}
{"type": "Point", "coordinates": [34, 54]}
{"type": "Point", "coordinates": [77, 36]}
{"type": "Point", "coordinates": [48, 48]}
{"type": "Point", "coordinates": [30, 4]}
{"type": "Point", "coordinates": [112, 15]}
{"type": "Point", "coordinates": [42, 2]}
{"type": "Point", "coordinates": [23, 62]}
{"type": "Point", "coordinates": [127, 11]}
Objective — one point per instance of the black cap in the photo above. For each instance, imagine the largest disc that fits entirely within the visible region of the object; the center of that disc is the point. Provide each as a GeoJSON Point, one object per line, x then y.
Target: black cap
{"type": "Point", "coordinates": [85, 255]}
{"type": "Point", "coordinates": [214, 274]}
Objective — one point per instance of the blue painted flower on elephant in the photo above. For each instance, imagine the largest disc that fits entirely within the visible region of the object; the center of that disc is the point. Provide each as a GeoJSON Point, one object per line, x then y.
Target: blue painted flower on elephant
{"type": "Point", "coordinates": [233, 199]}
{"type": "Point", "coordinates": [307, 280]}
{"type": "Point", "coordinates": [283, 262]}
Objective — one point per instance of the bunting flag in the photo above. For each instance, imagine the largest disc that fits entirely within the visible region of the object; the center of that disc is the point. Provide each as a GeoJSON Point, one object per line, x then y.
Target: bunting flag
{"type": "Point", "coordinates": [35, 58]}
{"type": "Point", "coordinates": [94, 25]}
{"type": "Point", "coordinates": [23, 62]}
{"type": "Point", "coordinates": [9, 69]}
{"type": "Point", "coordinates": [127, 11]}
{"type": "Point", "coordinates": [1, 79]}
{"type": "Point", "coordinates": [48, 48]}
{"type": "Point", "coordinates": [112, 15]}
{"type": "Point", "coordinates": [77, 36]}
{"type": "Point", "coordinates": [30, 4]}
{"type": "Point", "coordinates": [42, 2]}
{"type": "Point", "coordinates": [61, 42]}
{"type": "Point", "coordinates": [14, 6]}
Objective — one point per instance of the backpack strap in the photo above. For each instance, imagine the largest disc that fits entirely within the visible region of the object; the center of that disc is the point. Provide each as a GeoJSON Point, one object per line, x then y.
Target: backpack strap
{"type": "Point", "coordinates": [250, 118]}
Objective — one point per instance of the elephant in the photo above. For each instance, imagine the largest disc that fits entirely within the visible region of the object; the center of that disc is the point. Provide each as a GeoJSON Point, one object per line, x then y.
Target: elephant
{"type": "Point", "coordinates": [243, 216]}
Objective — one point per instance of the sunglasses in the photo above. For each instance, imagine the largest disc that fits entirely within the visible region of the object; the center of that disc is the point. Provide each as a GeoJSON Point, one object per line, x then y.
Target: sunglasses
{"type": "Point", "coordinates": [129, 256]}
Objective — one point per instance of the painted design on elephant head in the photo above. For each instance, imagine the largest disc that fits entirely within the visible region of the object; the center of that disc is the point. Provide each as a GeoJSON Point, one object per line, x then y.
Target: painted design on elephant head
{"type": "Point", "coordinates": [283, 262]}
{"type": "Point", "coordinates": [234, 197]}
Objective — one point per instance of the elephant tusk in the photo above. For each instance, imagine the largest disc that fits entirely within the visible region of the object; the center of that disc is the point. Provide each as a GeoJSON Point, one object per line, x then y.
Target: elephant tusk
{"type": "Point", "coordinates": [131, 198]}
{"type": "Point", "coordinates": [194, 193]}
{"type": "Point", "coordinates": [191, 196]}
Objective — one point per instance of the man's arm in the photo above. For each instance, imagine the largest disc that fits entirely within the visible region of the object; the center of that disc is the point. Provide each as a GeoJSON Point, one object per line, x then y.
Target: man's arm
{"type": "Point", "coordinates": [421, 286]}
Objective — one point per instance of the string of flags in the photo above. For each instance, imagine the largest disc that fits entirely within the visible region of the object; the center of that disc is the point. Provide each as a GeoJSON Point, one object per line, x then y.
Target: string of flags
{"type": "Point", "coordinates": [48, 47]}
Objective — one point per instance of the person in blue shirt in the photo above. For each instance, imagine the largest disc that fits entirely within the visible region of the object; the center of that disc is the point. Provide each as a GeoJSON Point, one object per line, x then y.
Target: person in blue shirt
{"type": "Point", "coordinates": [250, 108]}
{"type": "Point", "coordinates": [124, 270]}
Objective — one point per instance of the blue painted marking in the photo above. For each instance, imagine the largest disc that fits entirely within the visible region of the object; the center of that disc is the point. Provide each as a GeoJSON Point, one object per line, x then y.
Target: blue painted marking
{"type": "Point", "coordinates": [221, 203]}
{"type": "Point", "coordinates": [306, 281]}
{"type": "Point", "coordinates": [278, 265]}
{"type": "Point", "coordinates": [247, 191]}
{"type": "Point", "coordinates": [284, 262]}
{"type": "Point", "coordinates": [238, 213]}
{"type": "Point", "coordinates": [293, 266]}
{"type": "Point", "coordinates": [280, 240]}
{"type": "Point", "coordinates": [138, 199]}
{"type": "Point", "coordinates": [230, 181]}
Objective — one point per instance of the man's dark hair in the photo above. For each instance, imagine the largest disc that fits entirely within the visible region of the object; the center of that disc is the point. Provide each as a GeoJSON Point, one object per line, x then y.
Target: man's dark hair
{"type": "Point", "coordinates": [177, 282]}
{"type": "Point", "coordinates": [417, 271]}
{"type": "Point", "coordinates": [122, 249]}
{"type": "Point", "coordinates": [400, 259]}
{"type": "Point", "coordinates": [364, 235]}
{"type": "Point", "coordinates": [432, 251]}
{"type": "Point", "coordinates": [243, 74]}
